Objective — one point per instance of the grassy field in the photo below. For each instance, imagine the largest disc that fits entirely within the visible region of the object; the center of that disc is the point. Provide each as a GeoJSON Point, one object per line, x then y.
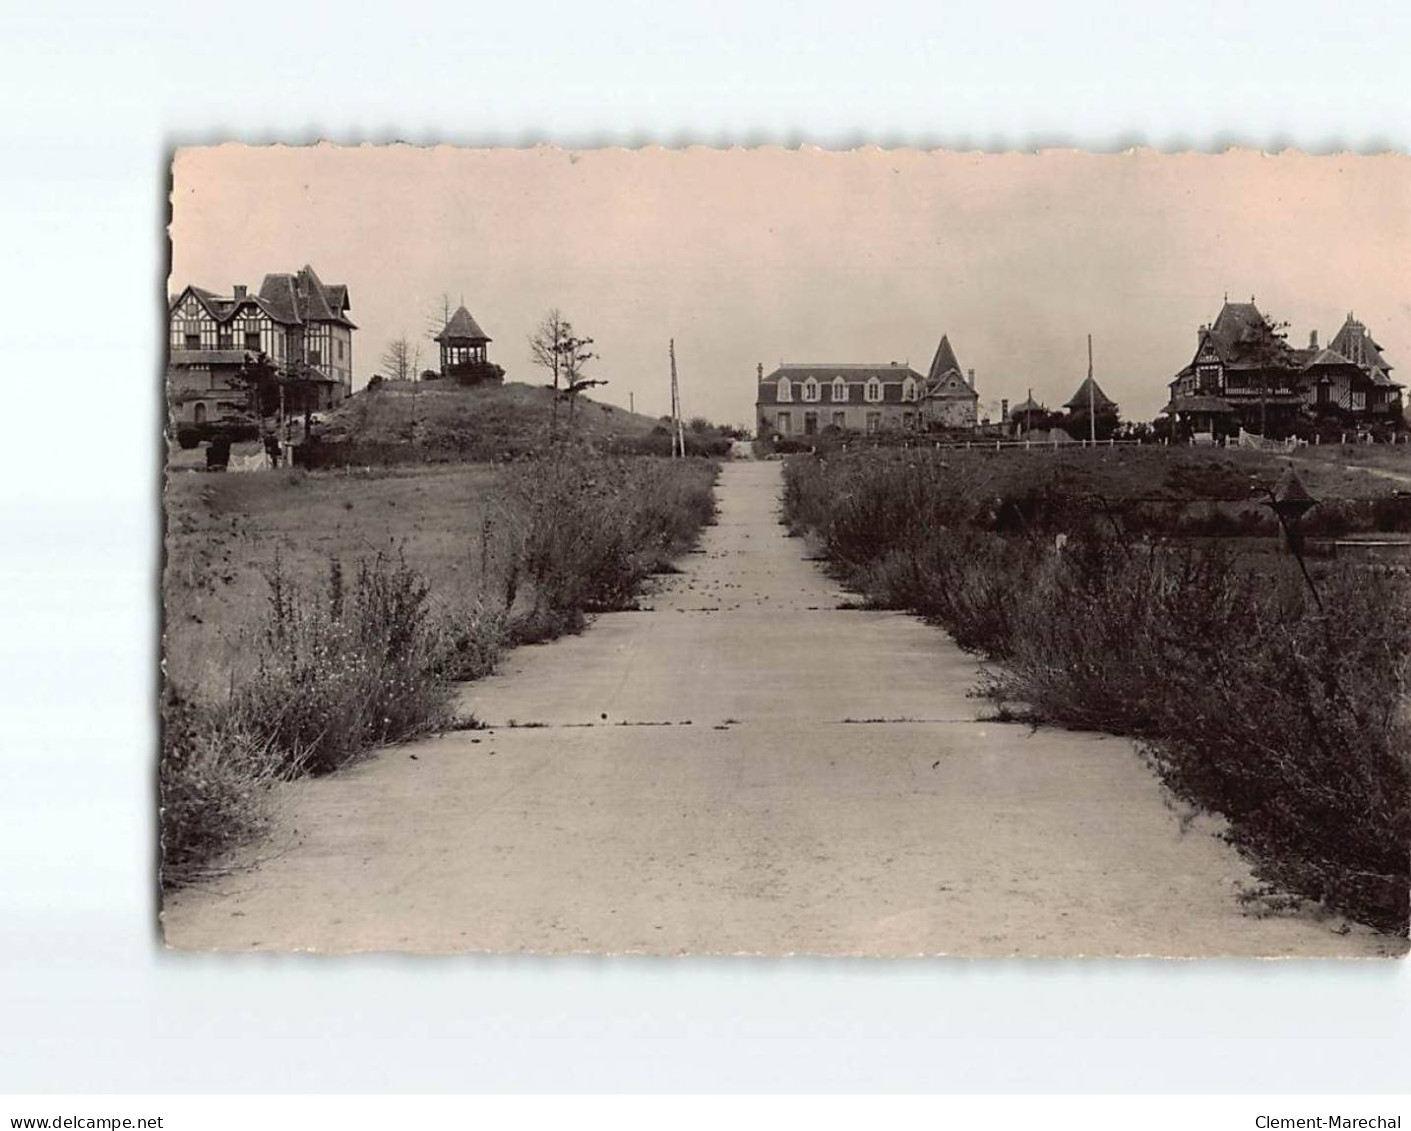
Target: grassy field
{"type": "Point", "coordinates": [312, 617]}
{"type": "Point", "coordinates": [224, 531]}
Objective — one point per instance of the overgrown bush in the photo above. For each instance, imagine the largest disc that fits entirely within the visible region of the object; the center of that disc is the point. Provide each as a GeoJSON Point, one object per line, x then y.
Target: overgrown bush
{"type": "Point", "coordinates": [587, 531]}
{"type": "Point", "coordinates": [213, 780]}
{"type": "Point", "coordinates": [364, 661]}
{"type": "Point", "coordinates": [1291, 721]}
{"type": "Point", "coordinates": [361, 665]}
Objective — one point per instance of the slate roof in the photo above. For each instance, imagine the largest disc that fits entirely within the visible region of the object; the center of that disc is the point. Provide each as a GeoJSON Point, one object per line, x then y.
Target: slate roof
{"type": "Point", "coordinates": [1328, 357]}
{"type": "Point", "coordinates": [1239, 332]}
{"type": "Point", "coordinates": [302, 297]}
{"type": "Point", "coordinates": [944, 387]}
{"type": "Point", "coordinates": [1100, 400]}
{"type": "Point", "coordinates": [944, 362]}
{"type": "Point", "coordinates": [290, 299]}
{"type": "Point", "coordinates": [1237, 319]}
{"type": "Point", "coordinates": [1354, 342]}
{"type": "Point", "coordinates": [462, 327]}
{"type": "Point", "coordinates": [278, 297]}
{"type": "Point", "coordinates": [856, 376]}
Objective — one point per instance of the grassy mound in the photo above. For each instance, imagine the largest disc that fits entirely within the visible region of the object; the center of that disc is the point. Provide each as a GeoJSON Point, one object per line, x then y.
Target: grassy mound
{"type": "Point", "coordinates": [439, 421]}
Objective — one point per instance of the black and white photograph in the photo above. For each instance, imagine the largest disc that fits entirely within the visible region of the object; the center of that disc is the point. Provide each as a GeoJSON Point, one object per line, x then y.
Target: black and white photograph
{"type": "Point", "coordinates": [748, 564]}
{"type": "Point", "coordinates": [761, 552]}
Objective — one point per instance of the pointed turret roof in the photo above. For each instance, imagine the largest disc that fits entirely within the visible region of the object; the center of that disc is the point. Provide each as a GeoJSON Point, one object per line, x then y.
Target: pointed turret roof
{"type": "Point", "coordinates": [463, 328]}
{"type": "Point", "coordinates": [1357, 345]}
{"type": "Point", "coordinates": [944, 362]}
{"type": "Point", "coordinates": [1100, 400]}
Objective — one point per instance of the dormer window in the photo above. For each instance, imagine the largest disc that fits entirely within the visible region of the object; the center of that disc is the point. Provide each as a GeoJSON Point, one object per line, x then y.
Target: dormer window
{"type": "Point", "coordinates": [874, 390]}
{"type": "Point", "coordinates": [840, 390]}
{"type": "Point", "coordinates": [810, 390]}
{"type": "Point", "coordinates": [786, 389]}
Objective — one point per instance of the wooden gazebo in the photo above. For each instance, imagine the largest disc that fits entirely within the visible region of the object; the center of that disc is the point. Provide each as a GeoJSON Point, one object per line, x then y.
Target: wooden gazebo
{"type": "Point", "coordinates": [463, 344]}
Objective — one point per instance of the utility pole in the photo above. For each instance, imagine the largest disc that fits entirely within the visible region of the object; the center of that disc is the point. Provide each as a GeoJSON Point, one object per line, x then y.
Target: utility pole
{"type": "Point", "coordinates": [678, 438]}
{"type": "Point", "coordinates": [632, 403]}
{"type": "Point", "coordinates": [1092, 396]}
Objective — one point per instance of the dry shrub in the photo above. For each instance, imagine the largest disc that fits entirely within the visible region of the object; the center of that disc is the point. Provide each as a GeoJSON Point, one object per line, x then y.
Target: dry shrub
{"type": "Point", "coordinates": [338, 672]}
{"type": "Point", "coordinates": [351, 670]}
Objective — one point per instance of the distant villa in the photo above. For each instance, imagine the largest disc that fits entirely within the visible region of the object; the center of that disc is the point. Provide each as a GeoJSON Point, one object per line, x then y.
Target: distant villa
{"type": "Point", "coordinates": [805, 398]}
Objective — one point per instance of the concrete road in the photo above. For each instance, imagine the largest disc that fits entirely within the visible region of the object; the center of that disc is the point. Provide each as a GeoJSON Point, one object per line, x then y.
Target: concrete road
{"type": "Point", "coordinates": [745, 766]}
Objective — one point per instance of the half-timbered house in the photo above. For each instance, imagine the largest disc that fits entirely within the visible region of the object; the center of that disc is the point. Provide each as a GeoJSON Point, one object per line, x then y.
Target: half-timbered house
{"type": "Point", "coordinates": [296, 322]}
{"type": "Point", "coordinates": [1245, 376]}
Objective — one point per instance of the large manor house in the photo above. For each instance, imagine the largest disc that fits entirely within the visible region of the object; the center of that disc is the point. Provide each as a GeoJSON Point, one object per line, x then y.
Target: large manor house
{"type": "Point", "coordinates": [1244, 376]}
{"type": "Point", "coordinates": [805, 398]}
{"type": "Point", "coordinates": [296, 320]}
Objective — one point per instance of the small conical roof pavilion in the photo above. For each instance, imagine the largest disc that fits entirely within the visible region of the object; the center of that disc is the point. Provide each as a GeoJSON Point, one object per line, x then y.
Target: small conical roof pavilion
{"type": "Point", "coordinates": [1100, 400]}
{"type": "Point", "coordinates": [462, 328]}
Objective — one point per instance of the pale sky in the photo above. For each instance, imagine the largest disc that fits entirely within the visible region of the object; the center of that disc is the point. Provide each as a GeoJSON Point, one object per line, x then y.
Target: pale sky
{"type": "Point", "coordinates": [772, 255]}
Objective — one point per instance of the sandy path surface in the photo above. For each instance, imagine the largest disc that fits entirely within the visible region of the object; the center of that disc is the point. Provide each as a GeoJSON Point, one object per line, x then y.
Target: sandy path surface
{"type": "Point", "coordinates": [1381, 472]}
{"type": "Point", "coordinates": [743, 766]}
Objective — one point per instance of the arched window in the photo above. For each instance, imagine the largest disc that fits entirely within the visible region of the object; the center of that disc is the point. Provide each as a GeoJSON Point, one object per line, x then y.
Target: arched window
{"type": "Point", "coordinates": [810, 390]}
{"type": "Point", "coordinates": [908, 390]}
{"type": "Point", "coordinates": [874, 390]}
{"type": "Point", "coordinates": [200, 415]}
{"type": "Point", "coordinates": [840, 390]}
{"type": "Point", "coordinates": [786, 390]}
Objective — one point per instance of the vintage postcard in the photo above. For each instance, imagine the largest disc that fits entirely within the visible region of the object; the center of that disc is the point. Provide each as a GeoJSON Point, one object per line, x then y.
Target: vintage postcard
{"type": "Point", "coordinates": [769, 552]}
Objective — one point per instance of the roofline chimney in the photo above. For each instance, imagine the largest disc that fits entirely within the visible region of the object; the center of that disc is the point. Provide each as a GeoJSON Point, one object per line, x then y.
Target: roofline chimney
{"type": "Point", "coordinates": [1312, 339]}
{"type": "Point", "coordinates": [239, 291]}
{"type": "Point", "coordinates": [971, 374]}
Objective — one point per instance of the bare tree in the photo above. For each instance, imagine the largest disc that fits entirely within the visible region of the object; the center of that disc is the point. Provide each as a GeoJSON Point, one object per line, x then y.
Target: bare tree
{"type": "Point", "coordinates": [546, 344]}
{"type": "Point", "coordinates": [400, 360]}
{"type": "Point", "coordinates": [438, 315]}
{"type": "Point", "coordinates": [556, 348]}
